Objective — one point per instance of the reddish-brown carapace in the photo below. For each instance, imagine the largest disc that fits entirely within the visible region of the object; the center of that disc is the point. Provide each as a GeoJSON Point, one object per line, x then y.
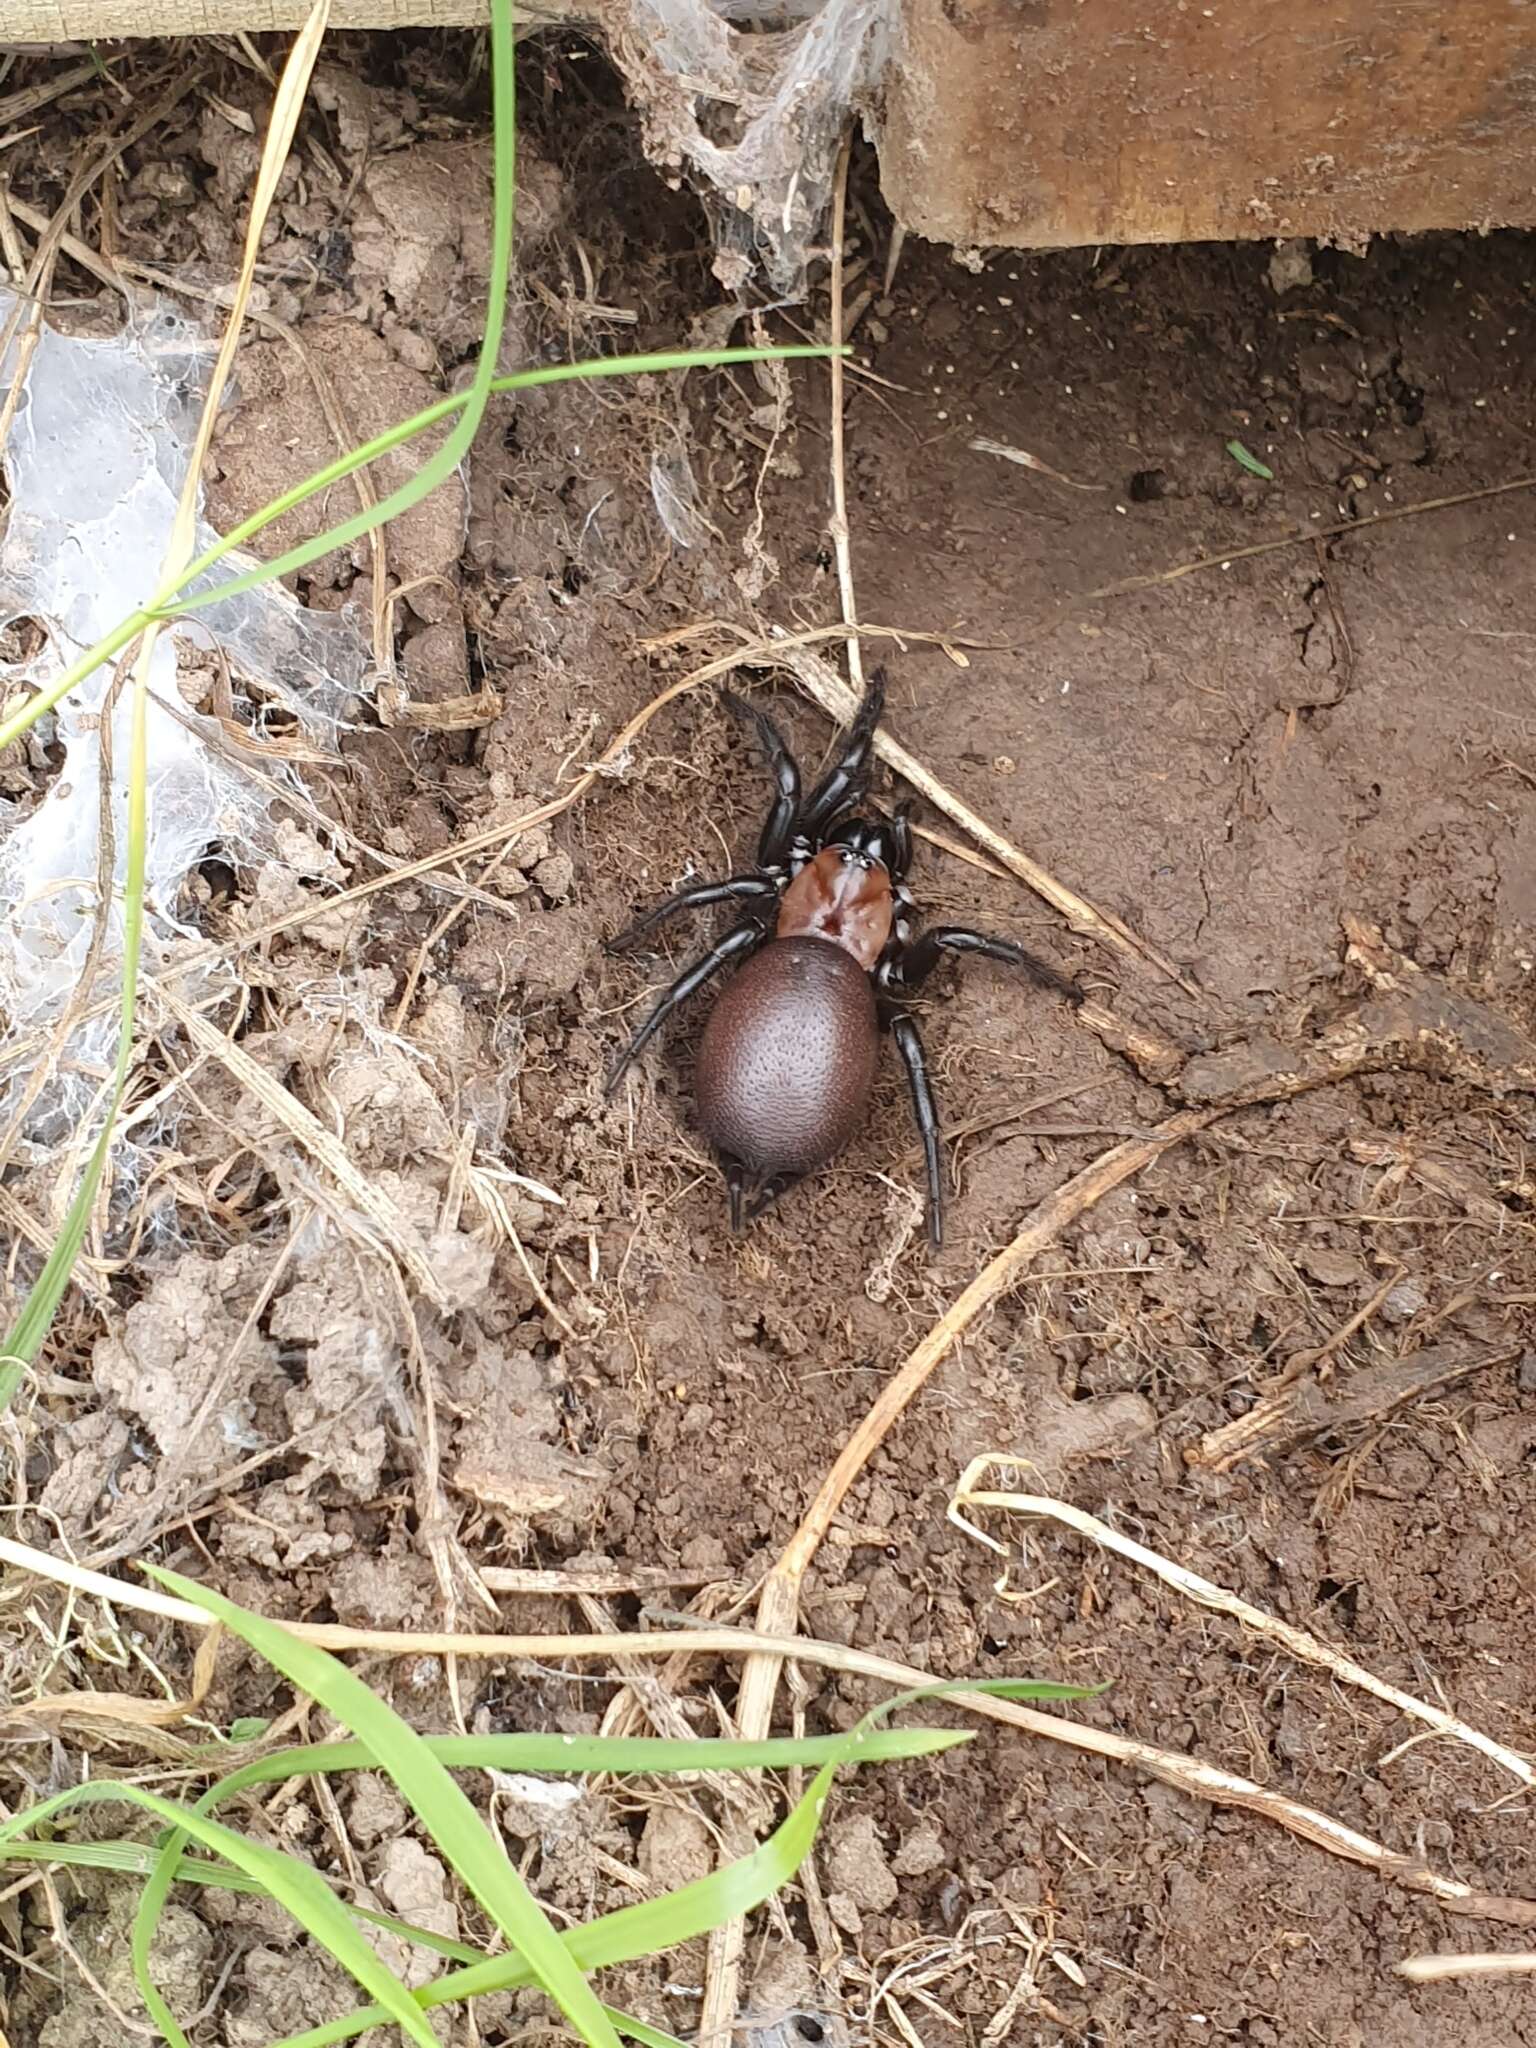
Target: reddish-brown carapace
{"type": "Point", "coordinates": [791, 1049]}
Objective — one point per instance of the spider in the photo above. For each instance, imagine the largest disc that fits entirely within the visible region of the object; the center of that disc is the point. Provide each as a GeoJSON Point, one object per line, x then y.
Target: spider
{"type": "Point", "coordinates": [827, 960]}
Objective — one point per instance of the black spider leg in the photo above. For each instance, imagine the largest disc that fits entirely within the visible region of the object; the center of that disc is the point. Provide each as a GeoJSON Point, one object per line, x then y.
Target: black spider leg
{"type": "Point", "coordinates": [910, 1045]}
{"type": "Point", "coordinates": [901, 836]}
{"type": "Point", "coordinates": [734, 889]}
{"type": "Point", "coordinates": [903, 968]}
{"type": "Point", "coordinates": [740, 940]}
{"type": "Point", "coordinates": [846, 780]}
{"type": "Point", "coordinates": [778, 832]}
{"type": "Point", "coordinates": [911, 969]}
{"type": "Point", "coordinates": [888, 979]}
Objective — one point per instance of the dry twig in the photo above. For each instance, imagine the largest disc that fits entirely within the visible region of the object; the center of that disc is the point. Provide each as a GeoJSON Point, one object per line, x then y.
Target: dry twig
{"type": "Point", "coordinates": [1296, 1642]}
{"type": "Point", "coordinates": [838, 524]}
{"type": "Point", "coordinates": [1440, 1969]}
{"type": "Point", "coordinates": [1303, 538]}
{"type": "Point", "coordinates": [565, 1581]}
{"type": "Point", "coordinates": [1188, 1774]}
{"type": "Point", "coordinates": [1303, 1411]}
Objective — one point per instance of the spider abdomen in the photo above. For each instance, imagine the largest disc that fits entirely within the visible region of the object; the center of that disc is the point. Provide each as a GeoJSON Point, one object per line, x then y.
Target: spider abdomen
{"type": "Point", "coordinates": [788, 1057]}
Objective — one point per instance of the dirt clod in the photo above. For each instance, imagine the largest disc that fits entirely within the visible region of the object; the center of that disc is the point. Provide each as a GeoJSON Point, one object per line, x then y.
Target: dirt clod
{"type": "Point", "coordinates": [415, 1887]}
{"type": "Point", "coordinates": [920, 1852]}
{"type": "Point", "coordinates": [857, 1867]}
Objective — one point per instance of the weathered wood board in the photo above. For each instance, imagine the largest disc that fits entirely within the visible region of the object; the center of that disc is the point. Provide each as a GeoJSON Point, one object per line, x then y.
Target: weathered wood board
{"type": "Point", "coordinates": [56, 21]}
{"type": "Point", "coordinates": [1062, 123]}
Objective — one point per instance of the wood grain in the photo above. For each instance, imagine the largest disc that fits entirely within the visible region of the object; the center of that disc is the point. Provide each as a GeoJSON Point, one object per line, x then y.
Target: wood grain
{"type": "Point", "coordinates": [1046, 123]}
{"type": "Point", "coordinates": [50, 21]}
{"type": "Point", "coordinates": [1052, 124]}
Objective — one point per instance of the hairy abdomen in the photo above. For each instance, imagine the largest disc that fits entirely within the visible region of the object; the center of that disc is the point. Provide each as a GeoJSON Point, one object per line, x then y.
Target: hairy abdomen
{"type": "Point", "coordinates": [788, 1057]}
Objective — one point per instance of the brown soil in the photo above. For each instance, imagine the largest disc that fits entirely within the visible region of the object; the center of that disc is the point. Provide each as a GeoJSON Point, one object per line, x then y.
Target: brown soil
{"type": "Point", "coordinates": [1231, 762]}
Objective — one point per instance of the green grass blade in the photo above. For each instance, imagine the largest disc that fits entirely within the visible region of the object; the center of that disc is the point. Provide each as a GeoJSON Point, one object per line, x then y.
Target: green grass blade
{"type": "Point", "coordinates": [639, 2030]}
{"type": "Point", "coordinates": [135, 1859]}
{"type": "Point", "coordinates": [441, 1807]}
{"type": "Point", "coordinates": [170, 602]}
{"type": "Point", "coordinates": [1251, 463]}
{"type": "Point", "coordinates": [138, 1859]}
{"type": "Point", "coordinates": [27, 714]}
{"type": "Point", "coordinates": [619, 1754]}
{"type": "Point", "coordinates": [36, 1319]}
{"type": "Point", "coordinates": [446, 460]}
{"type": "Point", "coordinates": [637, 1930]}
{"type": "Point", "coordinates": [993, 1688]}
{"type": "Point", "coordinates": [126, 1859]}
{"type": "Point", "coordinates": [505, 1752]}
{"type": "Point", "coordinates": [300, 1890]}
{"type": "Point", "coordinates": [695, 1908]}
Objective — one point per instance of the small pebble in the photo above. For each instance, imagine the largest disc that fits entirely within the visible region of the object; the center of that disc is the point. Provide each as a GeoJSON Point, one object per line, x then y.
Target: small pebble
{"type": "Point", "coordinates": [1405, 1301]}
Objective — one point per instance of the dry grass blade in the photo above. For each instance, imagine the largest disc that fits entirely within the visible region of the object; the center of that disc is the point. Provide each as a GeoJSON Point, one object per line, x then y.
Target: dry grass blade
{"type": "Point", "coordinates": [838, 524]}
{"type": "Point", "coordinates": [126, 1709]}
{"type": "Point", "coordinates": [1442, 1968]}
{"type": "Point", "coordinates": [23, 1228]}
{"type": "Point", "coordinates": [1310, 1649]}
{"type": "Point", "coordinates": [286, 108]}
{"type": "Point", "coordinates": [323, 1146]}
{"type": "Point", "coordinates": [1304, 538]}
{"type": "Point", "coordinates": [1193, 1775]}
{"type": "Point", "coordinates": [30, 99]}
{"type": "Point", "coordinates": [1006, 452]}
{"type": "Point", "coordinates": [69, 245]}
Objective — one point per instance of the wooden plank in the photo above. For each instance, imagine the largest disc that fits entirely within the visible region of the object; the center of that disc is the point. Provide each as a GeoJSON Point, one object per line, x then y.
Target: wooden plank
{"type": "Point", "coordinates": [58, 21]}
{"type": "Point", "coordinates": [1063, 123]}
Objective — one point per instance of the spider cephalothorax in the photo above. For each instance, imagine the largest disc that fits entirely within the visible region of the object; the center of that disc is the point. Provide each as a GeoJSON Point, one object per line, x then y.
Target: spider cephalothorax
{"type": "Point", "coordinates": [789, 1054]}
